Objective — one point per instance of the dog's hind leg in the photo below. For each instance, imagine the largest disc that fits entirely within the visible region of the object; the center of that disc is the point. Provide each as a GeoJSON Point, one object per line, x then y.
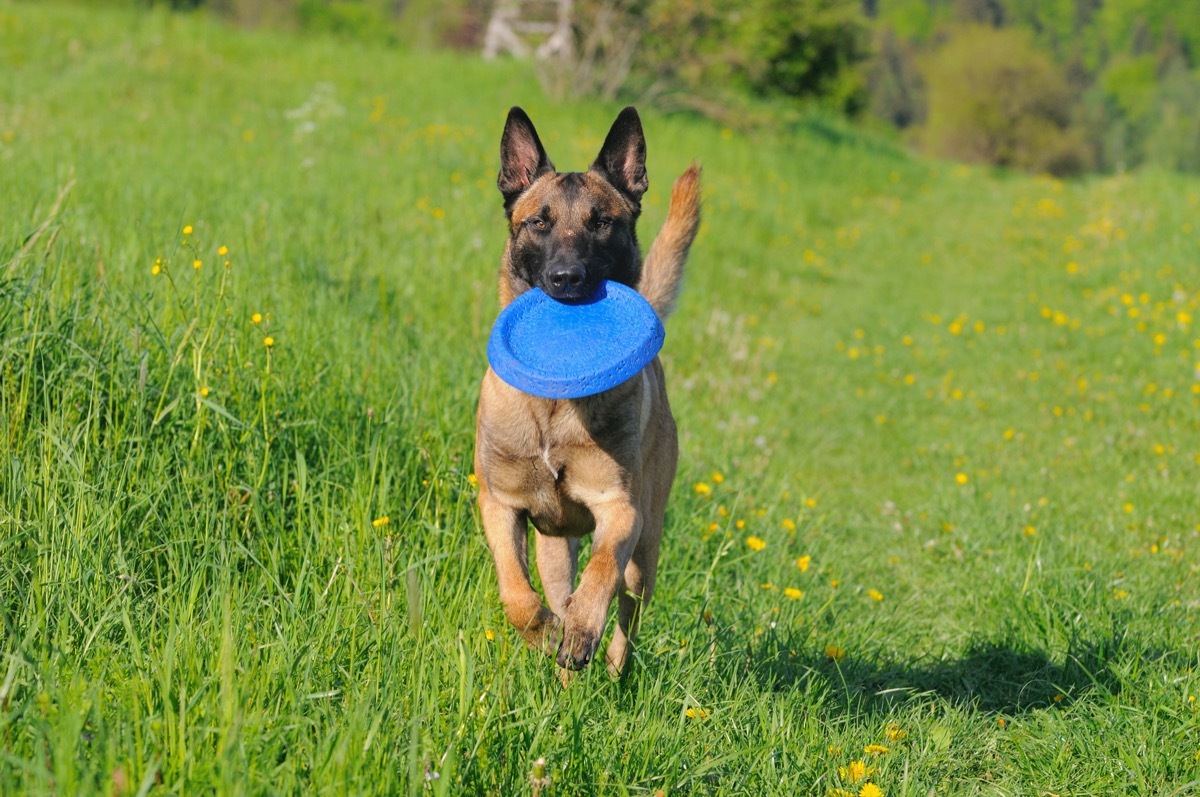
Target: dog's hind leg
{"type": "Point", "coordinates": [634, 595]}
{"type": "Point", "coordinates": [557, 562]}
{"type": "Point", "coordinates": [507, 535]}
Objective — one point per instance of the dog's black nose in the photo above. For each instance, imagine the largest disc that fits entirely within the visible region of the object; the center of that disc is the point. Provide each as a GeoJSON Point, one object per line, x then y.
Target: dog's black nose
{"type": "Point", "coordinates": [567, 278]}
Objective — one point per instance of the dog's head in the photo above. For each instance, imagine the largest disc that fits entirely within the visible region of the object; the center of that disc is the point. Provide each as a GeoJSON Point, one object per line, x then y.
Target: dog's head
{"type": "Point", "coordinates": [569, 231]}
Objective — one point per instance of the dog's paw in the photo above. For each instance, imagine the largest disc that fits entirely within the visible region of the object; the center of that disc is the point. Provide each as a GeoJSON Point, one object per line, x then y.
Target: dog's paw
{"type": "Point", "coordinates": [550, 633]}
{"type": "Point", "coordinates": [578, 647]}
{"type": "Point", "coordinates": [576, 652]}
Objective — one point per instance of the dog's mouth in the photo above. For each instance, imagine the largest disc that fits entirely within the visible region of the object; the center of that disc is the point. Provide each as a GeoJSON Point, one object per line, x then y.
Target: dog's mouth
{"type": "Point", "coordinates": [580, 294]}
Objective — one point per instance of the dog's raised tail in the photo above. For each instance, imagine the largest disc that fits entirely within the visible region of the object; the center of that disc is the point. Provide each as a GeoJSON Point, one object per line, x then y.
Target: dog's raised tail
{"type": "Point", "coordinates": [662, 273]}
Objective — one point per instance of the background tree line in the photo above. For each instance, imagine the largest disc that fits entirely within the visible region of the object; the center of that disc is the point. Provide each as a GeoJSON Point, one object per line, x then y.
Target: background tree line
{"type": "Point", "coordinates": [1060, 86]}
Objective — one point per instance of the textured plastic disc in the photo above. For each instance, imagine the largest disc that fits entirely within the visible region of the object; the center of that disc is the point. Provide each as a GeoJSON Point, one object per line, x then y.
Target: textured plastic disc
{"type": "Point", "coordinates": [564, 350]}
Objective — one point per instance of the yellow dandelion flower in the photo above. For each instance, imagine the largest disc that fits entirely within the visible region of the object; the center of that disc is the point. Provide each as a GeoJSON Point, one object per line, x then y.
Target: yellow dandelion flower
{"type": "Point", "coordinates": [962, 478]}
{"type": "Point", "coordinates": [894, 732]}
{"type": "Point", "coordinates": [1030, 531]}
{"type": "Point", "coordinates": [876, 749]}
{"type": "Point", "coordinates": [256, 318]}
{"type": "Point", "coordinates": [875, 595]}
{"type": "Point", "coordinates": [702, 488]}
{"type": "Point", "coordinates": [1127, 507]}
{"type": "Point", "coordinates": [855, 771]}
{"type": "Point", "coordinates": [756, 543]}
{"type": "Point", "coordinates": [156, 269]}
{"type": "Point", "coordinates": [741, 524]}
{"type": "Point", "coordinates": [197, 264]}
{"type": "Point", "coordinates": [204, 391]}
{"type": "Point", "coordinates": [834, 652]}
{"type": "Point", "coordinates": [489, 635]}
{"type": "Point", "coordinates": [793, 593]}
{"type": "Point", "coordinates": [839, 793]}
{"type": "Point", "coordinates": [811, 503]}
{"type": "Point", "coordinates": [1120, 594]}
{"type": "Point", "coordinates": [696, 713]}
{"type": "Point", "coordinates": [789, 525]}
{"type": "Point", "coordinates": [718, 477]}
{"type": "Point", "coordinates": [187, 229]}
{"type": "Point", "coordinates": [269, 342]}
{"type": "Point", "coordinates": [472, 479]}
{"type": "Point", "coordinates": [222, 250]}
{"type": "Point", "coordinates": [803, 562]}
{"type": "Point", "coordinates": [870, 790]}
{"type": "Point", "coordinates": [767, 585]}
{"type": "Point", "coordinates": [381, 521]}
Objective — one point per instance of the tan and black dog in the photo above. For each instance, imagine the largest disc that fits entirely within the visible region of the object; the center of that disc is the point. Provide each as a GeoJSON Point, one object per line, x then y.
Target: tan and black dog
{"type": "Point", "coordinates": [603, 464]}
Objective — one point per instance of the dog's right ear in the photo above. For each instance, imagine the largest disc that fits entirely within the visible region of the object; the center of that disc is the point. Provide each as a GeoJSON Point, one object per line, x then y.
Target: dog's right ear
{"type": "Point", "coordinates": [522, 157]}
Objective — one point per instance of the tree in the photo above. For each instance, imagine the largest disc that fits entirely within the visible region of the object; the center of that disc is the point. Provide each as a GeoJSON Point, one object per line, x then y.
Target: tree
{"type": "Point", "coordinates": [994, 98]}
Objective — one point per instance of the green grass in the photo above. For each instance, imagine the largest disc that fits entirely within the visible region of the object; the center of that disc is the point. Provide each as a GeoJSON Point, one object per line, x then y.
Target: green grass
{"type": "Point", "coordinates": [195, 597]}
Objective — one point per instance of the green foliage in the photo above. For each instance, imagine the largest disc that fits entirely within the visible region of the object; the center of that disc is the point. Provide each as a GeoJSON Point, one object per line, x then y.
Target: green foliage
{"type": "Point", "coordinates": [993, 98]}
{"type": "Point", "coordinates": [357, 19]}
{"type": "Point", "coordinates": [813, 49]}
{"type": "Point", "coordinates": [1129, 68]}
{"type": "Point", "coordinates": [896, 88]}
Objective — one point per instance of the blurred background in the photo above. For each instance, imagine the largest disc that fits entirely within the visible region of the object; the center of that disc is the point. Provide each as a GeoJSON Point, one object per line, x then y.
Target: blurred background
{"type": "Point", "coordinates": [1047, 86]}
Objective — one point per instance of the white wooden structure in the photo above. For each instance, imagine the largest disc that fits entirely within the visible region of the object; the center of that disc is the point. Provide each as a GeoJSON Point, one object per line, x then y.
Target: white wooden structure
{"type": "Point", "coordinates": [524, 28]}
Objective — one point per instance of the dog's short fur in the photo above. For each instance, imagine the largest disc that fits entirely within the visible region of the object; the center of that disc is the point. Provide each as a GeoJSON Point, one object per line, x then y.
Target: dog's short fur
{"type": "Point", "coordinates": [603, 464]}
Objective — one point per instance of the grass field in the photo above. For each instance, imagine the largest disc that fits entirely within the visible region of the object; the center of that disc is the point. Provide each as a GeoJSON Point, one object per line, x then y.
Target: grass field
{"type": "Point", "coordinates": [936, 529]}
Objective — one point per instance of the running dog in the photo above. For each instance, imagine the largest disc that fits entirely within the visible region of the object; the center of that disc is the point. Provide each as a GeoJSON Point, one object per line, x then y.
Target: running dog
{"type": "Point", "coordinates": [602, 464]}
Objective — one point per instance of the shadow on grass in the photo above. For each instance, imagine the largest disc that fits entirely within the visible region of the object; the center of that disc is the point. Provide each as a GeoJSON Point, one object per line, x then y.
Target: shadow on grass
{"type": "Point", "coordinates": [993, 676]}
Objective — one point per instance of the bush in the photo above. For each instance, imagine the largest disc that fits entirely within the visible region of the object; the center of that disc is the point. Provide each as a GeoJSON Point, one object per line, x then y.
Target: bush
{"type": "Point", "coordinates": [994, 98]}
{"type": "Point", "coordinates": [796, 48]}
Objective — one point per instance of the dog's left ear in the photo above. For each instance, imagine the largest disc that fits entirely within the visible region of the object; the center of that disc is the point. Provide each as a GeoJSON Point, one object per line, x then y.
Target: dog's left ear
{"type": "Point", "coordinates": [522, 157]}
{"type": "Point", "coordinates": [622, 159]}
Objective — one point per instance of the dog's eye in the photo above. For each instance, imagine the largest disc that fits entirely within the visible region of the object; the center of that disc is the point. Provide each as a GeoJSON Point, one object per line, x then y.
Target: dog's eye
{"type": "Point", "coordinates": [537, 223]}
{"type": "Point", "coordinates": [603, 223]}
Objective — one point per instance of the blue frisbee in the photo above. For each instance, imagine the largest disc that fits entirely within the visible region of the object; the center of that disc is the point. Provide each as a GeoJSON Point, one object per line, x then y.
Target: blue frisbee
{"type": "Point", "coordinates": [567, 350]}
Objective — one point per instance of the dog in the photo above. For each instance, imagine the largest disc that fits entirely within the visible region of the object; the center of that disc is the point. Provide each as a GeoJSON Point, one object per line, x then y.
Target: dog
{"type": "Point", "coordinates": [602, 464]}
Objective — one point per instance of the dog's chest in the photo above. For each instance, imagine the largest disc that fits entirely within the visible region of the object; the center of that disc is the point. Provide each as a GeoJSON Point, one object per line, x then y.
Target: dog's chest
{"type": "Point", "coordinates": [549, 465]}
{"type": "Point", "coordinates": [551, 486]}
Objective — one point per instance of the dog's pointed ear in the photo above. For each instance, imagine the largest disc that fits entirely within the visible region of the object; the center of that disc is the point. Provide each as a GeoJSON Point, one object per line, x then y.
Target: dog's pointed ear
{"type": "Point", "coordinates": [522, 157]}
{"type": "Point", "coordinates": [622, 159]}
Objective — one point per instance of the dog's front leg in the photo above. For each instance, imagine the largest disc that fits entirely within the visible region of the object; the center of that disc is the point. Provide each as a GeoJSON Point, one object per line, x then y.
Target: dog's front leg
{"type": "Point", "coordinates": [618, 524]}
{"type": "Point", "coordinates": [508, 537]}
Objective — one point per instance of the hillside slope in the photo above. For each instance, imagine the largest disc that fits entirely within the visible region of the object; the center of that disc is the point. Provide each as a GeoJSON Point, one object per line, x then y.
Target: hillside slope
{"type": "Point", "coordinates": [936, 520]}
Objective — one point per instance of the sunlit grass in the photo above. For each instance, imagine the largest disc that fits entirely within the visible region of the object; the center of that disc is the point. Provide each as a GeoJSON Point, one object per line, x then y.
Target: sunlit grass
{"type": "Point", "coordinates": [936, 520]}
